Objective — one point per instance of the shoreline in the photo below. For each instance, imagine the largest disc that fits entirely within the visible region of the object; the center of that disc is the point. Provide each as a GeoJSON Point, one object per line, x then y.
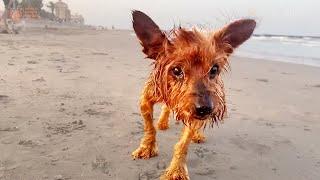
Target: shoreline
{"type": "Point", "coordinates": [277, 60]}
{"type": "Point", "coordinates": [69, 27]}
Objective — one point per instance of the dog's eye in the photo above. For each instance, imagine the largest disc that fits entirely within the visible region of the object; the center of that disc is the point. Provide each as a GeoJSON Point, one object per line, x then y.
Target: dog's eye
{"type": "Point", "coordinates": [214, 71]}
{"type": "Point", "coordinates": [177, 71]}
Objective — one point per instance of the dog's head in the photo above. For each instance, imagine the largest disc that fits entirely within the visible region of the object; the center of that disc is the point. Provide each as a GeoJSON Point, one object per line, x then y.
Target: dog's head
{"type": "Point", "coordinates": [188, 65]}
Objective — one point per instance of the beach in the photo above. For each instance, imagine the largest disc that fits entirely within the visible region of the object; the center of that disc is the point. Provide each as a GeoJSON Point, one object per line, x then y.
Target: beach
{"type": "Point", "coordinates": [69, 110]}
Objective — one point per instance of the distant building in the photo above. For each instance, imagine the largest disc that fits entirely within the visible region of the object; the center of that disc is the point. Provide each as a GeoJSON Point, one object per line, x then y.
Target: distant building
{"type": "Point", "coordinates": [30, 12]}
{"type": "Point", "coordinates": [62, 11]}
{"type": "Point", "coordinates": [1, 13]}
{"type": "Point", "coordinates": [77, 19]}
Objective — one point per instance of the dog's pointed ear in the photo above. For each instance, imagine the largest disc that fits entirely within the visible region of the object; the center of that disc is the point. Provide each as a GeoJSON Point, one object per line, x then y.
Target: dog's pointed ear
{"type": "Point", "coordinates": [236, 32]}
{"type": "Point", "coordinates": [150, 36]}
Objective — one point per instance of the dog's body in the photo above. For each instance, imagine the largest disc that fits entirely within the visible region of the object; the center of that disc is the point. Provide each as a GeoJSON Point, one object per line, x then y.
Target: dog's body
{"type": "Point", "coordinates": [187, 79]}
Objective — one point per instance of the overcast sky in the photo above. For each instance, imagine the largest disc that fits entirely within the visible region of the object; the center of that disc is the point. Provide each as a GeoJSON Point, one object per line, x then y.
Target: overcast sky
{"type": "Point", "coordinates": [292, 17]}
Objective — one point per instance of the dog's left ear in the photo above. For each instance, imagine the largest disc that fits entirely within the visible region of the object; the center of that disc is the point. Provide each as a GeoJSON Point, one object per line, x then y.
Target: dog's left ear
{"type": "Point", "coordinates": [149, 34]}
{"type": "Point", "coordinates": [236, 32]}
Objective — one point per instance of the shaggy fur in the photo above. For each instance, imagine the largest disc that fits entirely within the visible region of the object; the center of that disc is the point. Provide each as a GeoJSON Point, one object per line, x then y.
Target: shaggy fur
{"type": "Point", "coordinates": [187, 73]}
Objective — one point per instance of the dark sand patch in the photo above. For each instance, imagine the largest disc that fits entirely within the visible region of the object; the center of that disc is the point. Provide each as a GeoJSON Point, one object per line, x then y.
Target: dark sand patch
{"type": "Point", "coordinates": [262, 80]}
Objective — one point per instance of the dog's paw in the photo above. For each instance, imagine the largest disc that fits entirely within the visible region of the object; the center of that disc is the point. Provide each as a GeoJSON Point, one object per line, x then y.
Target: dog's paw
{"type": "Point", "coordinates": [145, 152]}
{"type": "Point", "coordinates": [198, 138]}
{"type": "Point", "coordinates": [175, 173]}
{"type": "Point", "coordinates": [163, 126]}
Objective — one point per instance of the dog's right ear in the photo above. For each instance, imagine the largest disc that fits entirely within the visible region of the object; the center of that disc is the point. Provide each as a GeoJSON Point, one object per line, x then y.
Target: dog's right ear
{"type": "Point", "coordinates": [150, 36]}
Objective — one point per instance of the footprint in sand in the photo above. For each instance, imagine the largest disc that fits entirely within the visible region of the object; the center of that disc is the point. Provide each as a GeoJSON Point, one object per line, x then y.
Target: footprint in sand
{"type": "Point", "coordinates": [244, 144]}
{"type": "Point", "coordinates": [136, 114]}
{"type": "Point", "coordinates": [140, 125]}
{"type": "Point", "coordinates": [148, 175]}
{"type": "Point", "coordinates": [28, 143]}
{"type": "Point", "coordinates": [262, 80]}
{"type": "Point", "coordinates": [38, 55]}
{"type": "Point", "coordinates": [286, 73]}
{"type": "Point", "coordinates": [82, 77]}
{"type": "Point", "coordinates": [316, 86]}
{"type": "Point", "coordinates": [245, 119]}
{"type": "Point", "coordinates": [234, 89]}
{"type": "Point", "coordinates": [161, 165]}
{"type": "Point", "coordinates": [32, 62]}
{"type": "Point", "coordinates": [233, 168]}
{"type": "Point", "coordinates": [39, 80]}
{"type": "Point", "coordinates": [72, 69]}
{"type": "Point", "coordinates": [65, 128]}
{"type": "Point", "coordinates": [233, 109]}
{"type": "Point", "coordinates": [7, 165]}
{"type": "Point", "coordinates": [102, 103]}
{"type": "Point", "coordinates": [4, 99]}
{"type": "Point", "coordinates": [42, 91]}
{"type": "Point", "coordinates": [274, 170]}
{"type": "Point", "coordinates": [265, 122]}
{"type": "Point", "coordinates": [102, 165]}
{"type": "Point", "coordinates": [61, 177]}
{"type": "Point", "coordinates": [28, 69]}
{"type": "Point", "coordinates": [269, 124]}
{"type": "Point", "coordinates": [92, 112]}
{"type": "Point", "coordinates": [204, 171]}
{"type": "Point", "coordinates": [61, 59]}
{"type": "Point", "coordinates": [9, 129]}
{"type": "Point", "coordinates": [140, 128]}
{"type": "Point", "coordinates": [67, 96]}
{"type": "Point", "coordinates": [201, 152]}
{"type": "Point", "coordinates": [307, 129]}
{"type": "Point", "coordinates": [282, 142]}
{"type": "Point", "coordinates": [100, 53]}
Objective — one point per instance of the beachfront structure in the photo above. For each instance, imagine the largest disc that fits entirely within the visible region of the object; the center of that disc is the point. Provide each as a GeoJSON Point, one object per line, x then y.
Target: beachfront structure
{"type": "Point", "coordinates": [77, 19]}
{"type": "Point", "coordinates": [1, 13]}
{"type": "Point", "coordinates": [62, 11]}
{"type": "Point", "coordinates": [30, 13]}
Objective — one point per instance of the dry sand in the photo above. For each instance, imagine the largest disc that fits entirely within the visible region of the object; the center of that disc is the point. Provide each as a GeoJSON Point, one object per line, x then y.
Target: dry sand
{"type": "Point", "coordinates": [69, 110]}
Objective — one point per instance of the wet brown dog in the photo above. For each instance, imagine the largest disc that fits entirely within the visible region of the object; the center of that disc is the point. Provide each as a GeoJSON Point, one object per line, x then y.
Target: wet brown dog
{"type": "Point", "coordinates": [187, 79]}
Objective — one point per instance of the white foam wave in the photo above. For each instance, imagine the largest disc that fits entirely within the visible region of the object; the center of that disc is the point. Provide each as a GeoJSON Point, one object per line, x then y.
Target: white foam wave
{"type": "Point", "coordinates": [304, 41]}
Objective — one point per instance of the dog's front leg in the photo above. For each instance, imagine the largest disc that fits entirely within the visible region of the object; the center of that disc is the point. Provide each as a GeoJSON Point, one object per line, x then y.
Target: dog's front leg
{"type": "Point", "coordinates": [178, 167]}
{"type": "Point", "coordinates": [198, 137]}
{"type": "Point", "coordinates": [163, 122]}
{"type": "Point", "coordinates": [148, 147]}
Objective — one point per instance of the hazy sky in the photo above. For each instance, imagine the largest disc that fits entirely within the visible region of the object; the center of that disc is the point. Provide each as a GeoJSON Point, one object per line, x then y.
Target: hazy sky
{"type": "Point", "coordinates": [293, 17]}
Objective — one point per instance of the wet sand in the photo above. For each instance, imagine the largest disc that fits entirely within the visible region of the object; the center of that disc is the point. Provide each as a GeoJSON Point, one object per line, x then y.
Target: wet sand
{"type": "Point", "coordinates": [69, 110]}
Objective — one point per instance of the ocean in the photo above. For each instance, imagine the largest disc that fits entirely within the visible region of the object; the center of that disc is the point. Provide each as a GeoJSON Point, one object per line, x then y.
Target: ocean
{"type": "Point", "coordinates": [292, 49]}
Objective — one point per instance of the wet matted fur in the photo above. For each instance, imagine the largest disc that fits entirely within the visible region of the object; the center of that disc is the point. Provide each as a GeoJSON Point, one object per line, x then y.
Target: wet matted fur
{"type": "Point", "coordinates": [186, 79]}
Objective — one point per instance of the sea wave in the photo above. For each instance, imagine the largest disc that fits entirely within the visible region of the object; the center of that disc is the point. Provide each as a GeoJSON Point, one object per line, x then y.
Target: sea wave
{"type": "Point", "coordinates": [287, 59]}
{"type": "Point", "coordinates": [294, 49]}
{"type": "Point", "coordinates": [301, 40]}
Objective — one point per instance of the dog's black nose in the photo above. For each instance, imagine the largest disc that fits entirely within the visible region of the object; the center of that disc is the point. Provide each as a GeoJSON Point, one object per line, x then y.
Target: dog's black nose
{"type": "Point", "coordinates": [203, 111]}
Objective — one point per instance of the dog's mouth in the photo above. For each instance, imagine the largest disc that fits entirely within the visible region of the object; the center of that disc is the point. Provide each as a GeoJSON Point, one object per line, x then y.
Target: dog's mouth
{"type": "Point", "coordinates": [190, 115]}
{"type": "Point", "coordinates": [202, 118]}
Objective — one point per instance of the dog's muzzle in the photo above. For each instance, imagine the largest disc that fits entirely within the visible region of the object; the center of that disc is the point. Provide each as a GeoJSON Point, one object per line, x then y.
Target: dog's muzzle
{"type": "Point", "coordinates": [203, 107]}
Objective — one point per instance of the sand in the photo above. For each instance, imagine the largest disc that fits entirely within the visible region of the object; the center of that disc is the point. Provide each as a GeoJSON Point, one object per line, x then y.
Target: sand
{"type": "Point", "coordinates": [69, 110]}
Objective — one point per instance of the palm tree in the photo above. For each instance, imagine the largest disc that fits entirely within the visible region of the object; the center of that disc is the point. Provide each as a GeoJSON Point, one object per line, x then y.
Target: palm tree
{"type": "Point", "coordinates": [51, 6]}
{"type": "Point", "coordinates": [8, 5]}
{"type": "Point", "coordinates": [36, 4]}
